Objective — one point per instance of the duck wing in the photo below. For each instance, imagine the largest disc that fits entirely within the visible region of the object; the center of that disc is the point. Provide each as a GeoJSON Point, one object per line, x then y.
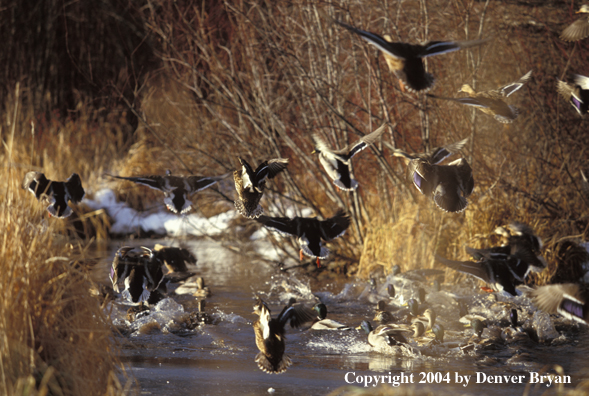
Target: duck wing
{"type": "Point", "coordinates": [396, 50]}
{"type": "Point", "coordinates": [284, 225]}
{"type": "Point", "coordinates": [364, 142]}
{"type": "Point", "coordinates": [573, 94]}
{"type": "Point", "coordinates": [73, 188]}
{"type": "Point", "coordinates": [441, 153]}
{"type": "Point", "coordinates": [510, 88]}
{"type": "Point", "coordinates": [296, 315]}
{"type": "Point", "coordinates": [198, 183]}
{"type": "Point", "coordinates": [269, 169]}
{"type": "Point", "coordinates": [477, 269]}
{"type": "Point", "coordinates": [578, 30]}
{"type": "Point", "coordinates": [564, 298]}
{"type": "Point", "coordinates": [155, 182]}
{"type": "Point", "coordinates": [36, 183]}
{"type": "Point", "coordinates": [335, 226]}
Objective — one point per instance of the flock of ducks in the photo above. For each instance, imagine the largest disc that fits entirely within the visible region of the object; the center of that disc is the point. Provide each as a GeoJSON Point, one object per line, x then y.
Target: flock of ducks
{"type": "Point", "coordinates": [502, 267]}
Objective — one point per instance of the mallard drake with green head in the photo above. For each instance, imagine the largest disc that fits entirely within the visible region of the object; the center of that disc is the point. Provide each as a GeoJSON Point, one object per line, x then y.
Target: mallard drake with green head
{"type": "Point", "coordinates": [270, 334]}
{"type": "Point", "coordinates": [579, 29]}
{"type": "Point", "coordinates": [174, 258]}
{"type": "Point", "coordinates": [322, 323]}
{"type": "Point", "coordinates": [139, 270]}
{"type": "Point", "coordinates": [496, 272]}
{"type": "Point", "coordinates": [406, 60]}
{"type": "Point", "coordinates": [448, 185]}
{"type": "Point", "coordinates": [337, 162]}
{"type": "Point", "coordinates": [55, 194]}
{"type": "Point", "coordinates": [567, 299]}
{"type": "Point", "coordinates": [310, 231]}
{"type": "Point", "coordinates": [176, 189]}
{"type": "Point", "coordinates": [576, 94]}
{"type": "Point", "coordinates": [492, 102]}
{"type": "Point", "coordinates": [250, 184]}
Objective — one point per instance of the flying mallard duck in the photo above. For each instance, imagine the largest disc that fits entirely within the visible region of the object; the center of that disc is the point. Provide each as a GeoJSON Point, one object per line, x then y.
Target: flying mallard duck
{"type": "Point", "coordinates": [176, 189]}
{"type": "Point", "coordinates": [517, 240]}
{"type": "Point", "coordinates": [250, 184]}
{"type": "Point", "coordinates": [310, 231]}
{"type": "Point", "coordinates": [579, 29]}
{"type": "Point", "coordinates": [448, 185]}
{"type": "Point", "coordinates": [336, 162]}
{"type": "Point", "coordinates": [492, 102]}
{"type": "Point", "coordinates": [405, 60]}
{"type": "Point", "coordinates": [139, 270]}
{"type": "Point", "coordinates": [577, 94]}
{"type": "Point", "coordinates": [567, 299]}
{"type": "Point", "coordinates": [498, 273]}
{"type": "Point", "coordinates": [270, 334]}
{"type": "Point", "coordinates": [55, 194]}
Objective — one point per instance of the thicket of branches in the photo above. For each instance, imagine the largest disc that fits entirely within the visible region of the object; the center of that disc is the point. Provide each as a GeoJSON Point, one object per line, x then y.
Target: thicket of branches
{"type": "Point", "coordinates": [263, 77]}
{"type": "Point", "coordinates": [207, 81]}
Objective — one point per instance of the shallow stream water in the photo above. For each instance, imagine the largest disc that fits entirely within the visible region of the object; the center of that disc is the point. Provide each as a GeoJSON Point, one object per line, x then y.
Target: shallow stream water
{"type": "Point", "coordinates": [218, 359]}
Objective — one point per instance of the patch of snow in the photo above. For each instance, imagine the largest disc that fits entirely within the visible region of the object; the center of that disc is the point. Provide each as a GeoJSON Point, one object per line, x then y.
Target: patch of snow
{"type": "Point", "coordinates": [127, 220]}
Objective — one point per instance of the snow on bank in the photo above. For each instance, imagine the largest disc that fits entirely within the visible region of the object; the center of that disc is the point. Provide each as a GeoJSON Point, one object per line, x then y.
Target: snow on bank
{"type": "Point", "coordinates": [127, 220]}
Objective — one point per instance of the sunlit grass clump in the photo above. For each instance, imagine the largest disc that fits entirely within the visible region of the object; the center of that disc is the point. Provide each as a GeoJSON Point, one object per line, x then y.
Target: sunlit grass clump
{"type": "Point", "coordinates": [54, 337]}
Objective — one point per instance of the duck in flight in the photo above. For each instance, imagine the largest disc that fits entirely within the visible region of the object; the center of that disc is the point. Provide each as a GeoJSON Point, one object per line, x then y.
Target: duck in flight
{"type": "Point", "coordinates": [311, 231]}
{"type": "Point", "coordinates": [250, 184]}
{"type": "Point", "coordinates": [337, 162]}
{"type": "Point", "coordinates": [406, 60]}
{"type": "Point", "coordinates": [176, 189]}
{"type": "Point", "coordinates": [55, 194]}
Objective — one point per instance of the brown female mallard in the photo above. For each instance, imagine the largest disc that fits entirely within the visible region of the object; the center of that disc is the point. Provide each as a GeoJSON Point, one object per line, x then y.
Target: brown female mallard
{"type": "Point", "coordinates": [250, 184]}
{"type": "Point", "coordinates": [448, 185]}
{"type": "Point", "coordinates": [406, 60]}
{"type": "Point", "coordinates": [492, 102]}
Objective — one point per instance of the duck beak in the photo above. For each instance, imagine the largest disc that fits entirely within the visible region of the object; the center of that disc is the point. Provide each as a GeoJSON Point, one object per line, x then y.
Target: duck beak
{"type": "Point", "coordinates": [314, 152]}
{"type": "Point", "coordinates": [318, 263]}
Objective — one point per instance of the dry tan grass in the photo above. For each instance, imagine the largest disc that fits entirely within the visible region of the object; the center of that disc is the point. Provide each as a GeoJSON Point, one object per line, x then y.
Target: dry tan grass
{"type": "Point", "coordinates": [55, 338]}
